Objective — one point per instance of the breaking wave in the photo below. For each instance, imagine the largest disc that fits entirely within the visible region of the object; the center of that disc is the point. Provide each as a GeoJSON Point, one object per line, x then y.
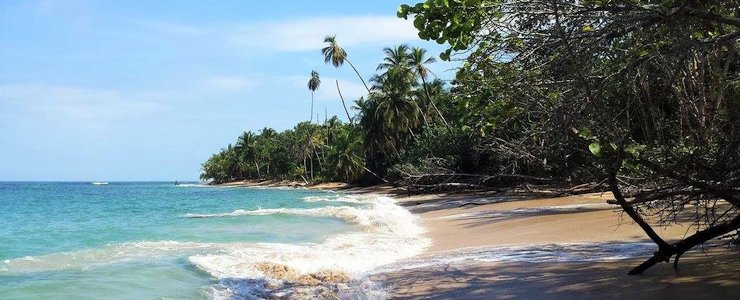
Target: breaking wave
{"type": "Point", "coordinates": [332, 268]}
{"type": "Point", "coordinates": [335, 266]}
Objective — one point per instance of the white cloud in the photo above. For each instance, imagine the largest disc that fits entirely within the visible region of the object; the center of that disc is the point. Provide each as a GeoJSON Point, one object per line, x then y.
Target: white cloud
{"type": "Point", "coordinates": [86, 108]}
{"type": "Point", "coordinates": [308, 34]}
{"type": "Point", "coordinates": [296, 34]}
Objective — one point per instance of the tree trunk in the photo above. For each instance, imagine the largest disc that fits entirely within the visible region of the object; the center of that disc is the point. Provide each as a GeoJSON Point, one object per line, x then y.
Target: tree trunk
{"type": "Point", "coordinates": [310, 119]}
{"type": "Point", "coordinates": [305, 166]}
{"type": "Point", "coordinates": [662, 244]}
{"type": "Point", "coordinates": [665, 250]}
{"type": "Point", "coordinates": [343, 104]}
{"type": "Point", "coordinates": [429, 97]}
{"type": "Point", "coordinates": [376, 175]}
{"type": "Point", "coordinates": [358, 75]}
{"type": "Point", "coordinates": [687, 244]}
{"type": "Point", "coordinates": [312, 169]}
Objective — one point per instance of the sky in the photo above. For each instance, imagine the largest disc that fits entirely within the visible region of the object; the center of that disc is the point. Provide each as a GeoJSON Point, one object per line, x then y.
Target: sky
{"type": "Point", "coordinates": [148, 90]}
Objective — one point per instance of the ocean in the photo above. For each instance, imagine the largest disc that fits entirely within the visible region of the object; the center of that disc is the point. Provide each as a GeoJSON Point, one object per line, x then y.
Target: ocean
{"type": "Point", "coordinates": [156, 240]}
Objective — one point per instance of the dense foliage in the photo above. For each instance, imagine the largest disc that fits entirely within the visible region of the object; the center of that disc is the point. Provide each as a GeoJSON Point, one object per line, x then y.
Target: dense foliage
{"type": "Point", "coordinates": [642, 94]}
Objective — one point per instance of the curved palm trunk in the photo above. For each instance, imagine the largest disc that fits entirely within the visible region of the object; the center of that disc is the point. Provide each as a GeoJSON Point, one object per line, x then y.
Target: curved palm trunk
{"type": "Point", "coordinates": [343, 104]}
{"type": "Point", "coordinates": [358, 74]}
{"type": "Point", "coordinates": [373, 173]}
{"type": "Point", "coordinates": [429, 97]}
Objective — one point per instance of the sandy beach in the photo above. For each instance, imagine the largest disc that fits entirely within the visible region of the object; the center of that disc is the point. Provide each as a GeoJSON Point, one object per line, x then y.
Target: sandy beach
{"type": "Point", "coordinates": [494, 246]}
{"type": "Point", "coordinates": [461, 224]}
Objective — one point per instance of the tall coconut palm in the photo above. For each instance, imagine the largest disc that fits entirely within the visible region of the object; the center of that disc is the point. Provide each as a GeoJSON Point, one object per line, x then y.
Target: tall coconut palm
{"type": "Point", "coordinates": [313, 85]}
{"type": "Point", "coordinates": [393, 113]}
{"type": "Point", "coordinates": [337, 56]}
{"type": "Point", "coordinates": [343, 104]}
{"type": "Point", "coordinates": [418, 62]}
{"type": "Point", "coordinates": [397, 57]}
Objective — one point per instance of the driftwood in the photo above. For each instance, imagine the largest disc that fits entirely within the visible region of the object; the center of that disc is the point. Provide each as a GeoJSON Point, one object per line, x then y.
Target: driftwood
{"type": "Point", "coordinates": [451, 182]}
{"type": "Point", "coordinates": [465, 182]}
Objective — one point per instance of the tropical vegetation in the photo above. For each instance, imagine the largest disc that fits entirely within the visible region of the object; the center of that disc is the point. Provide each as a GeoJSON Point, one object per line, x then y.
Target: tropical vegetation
{"type": "Point", "coordinates": [400, 105]}
{"type": "Point", "coordinates": [640, 97]}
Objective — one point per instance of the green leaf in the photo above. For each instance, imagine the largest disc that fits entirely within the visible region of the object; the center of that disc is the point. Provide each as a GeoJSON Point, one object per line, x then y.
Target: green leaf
{"type": "Point", "coordinates": [419, 23]}
{"type": "Point", "coordinates": [585, 133]}
{"type": "Point", "coordinates": [595, 149]}
{"type": "Point", "coordinates": [635, 149]}
{"type": "Point", "coordinates": [403, 11]}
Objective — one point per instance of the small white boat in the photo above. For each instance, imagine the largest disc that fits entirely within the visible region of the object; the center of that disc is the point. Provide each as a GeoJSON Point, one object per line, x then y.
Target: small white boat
{"type": "Point", "coordinates": [100, 183]}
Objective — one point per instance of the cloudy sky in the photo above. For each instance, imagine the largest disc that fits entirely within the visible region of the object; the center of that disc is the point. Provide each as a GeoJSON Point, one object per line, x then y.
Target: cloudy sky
{"type": "Point", "coordinates": [147, 90]}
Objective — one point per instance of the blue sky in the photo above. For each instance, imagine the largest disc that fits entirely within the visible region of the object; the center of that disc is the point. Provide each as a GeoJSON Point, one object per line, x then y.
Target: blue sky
{"type": "Point", "coordinates": [147, 90]}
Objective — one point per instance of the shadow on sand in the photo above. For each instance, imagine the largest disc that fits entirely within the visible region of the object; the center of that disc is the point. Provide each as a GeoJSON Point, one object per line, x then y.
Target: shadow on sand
{"type": "Point", "coordinates": [700, 277]}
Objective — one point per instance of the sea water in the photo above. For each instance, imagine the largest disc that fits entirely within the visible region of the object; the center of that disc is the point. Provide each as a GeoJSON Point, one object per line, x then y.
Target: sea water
{"type": "Point", "coordinates": [154, 240]}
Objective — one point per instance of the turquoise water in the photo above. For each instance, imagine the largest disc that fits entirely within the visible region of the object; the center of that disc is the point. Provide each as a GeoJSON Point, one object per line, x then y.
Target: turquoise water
{"type": "Point", "coordinates": [132, 240]}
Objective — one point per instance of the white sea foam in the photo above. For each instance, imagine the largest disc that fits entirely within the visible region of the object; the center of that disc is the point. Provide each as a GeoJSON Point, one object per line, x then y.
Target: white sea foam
{"type": "Point", "coordinates": [391, 233]}
{"type": "Point", "coordinates": [340, 198]}
{"type": "Point", "coordinates": [187, 185]}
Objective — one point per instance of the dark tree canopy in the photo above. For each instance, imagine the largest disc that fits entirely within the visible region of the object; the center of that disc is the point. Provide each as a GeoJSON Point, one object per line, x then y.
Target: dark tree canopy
{"type": "Point", "coordinates": [649, 88]}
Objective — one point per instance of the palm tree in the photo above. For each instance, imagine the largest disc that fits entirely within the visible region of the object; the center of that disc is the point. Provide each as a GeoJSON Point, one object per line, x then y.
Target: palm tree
{"type": "Point", "coordinates": [313, 85]}
{"type": "Point", "coordinates": [246, 152]}
{"type": "Point", "coordinates": [398, 57]}
{"type": "Point", "coordinates": [337, 56]}
{"type": "Point", "coordinates": [347, 157]}
{"type": "Point", "coordinates": [418, 61]}
{"type": "Point", "coordinates": [343, 104]}
{"type": "Point", "coordinates": [392, 112]}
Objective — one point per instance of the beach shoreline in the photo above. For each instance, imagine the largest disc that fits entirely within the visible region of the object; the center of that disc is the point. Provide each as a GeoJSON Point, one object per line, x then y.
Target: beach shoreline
{"type": "Point", "coordinates": [463, 223]}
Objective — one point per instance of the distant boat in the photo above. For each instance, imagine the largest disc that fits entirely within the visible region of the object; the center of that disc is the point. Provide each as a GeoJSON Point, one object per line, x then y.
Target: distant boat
{"type": "Point", "coordinates": [100, 183]}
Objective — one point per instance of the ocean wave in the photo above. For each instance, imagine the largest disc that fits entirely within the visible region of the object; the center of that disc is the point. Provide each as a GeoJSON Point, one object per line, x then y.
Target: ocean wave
{"type": "Point", "coordinates": [189, 185]}
{"type": "Point", "coordinates": [106, 255]}
{"type": "Point", "coordinates": [332, 268]}
{"type": "Point", "coordinates": [358, 199]}
{"type": "Point", "coordinates": [390, 234]}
